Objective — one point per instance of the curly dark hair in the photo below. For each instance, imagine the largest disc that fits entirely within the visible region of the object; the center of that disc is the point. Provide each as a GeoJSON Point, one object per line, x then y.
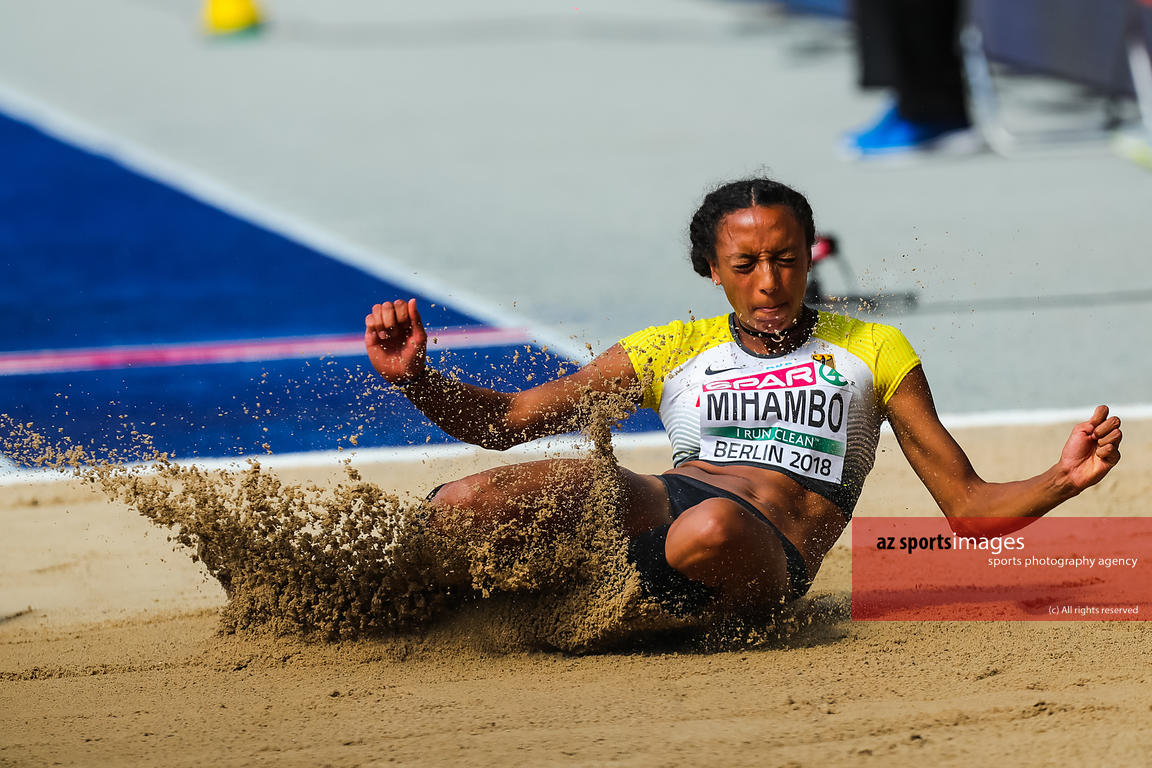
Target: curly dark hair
{"type": "Point", "coordinates": [736, 196]}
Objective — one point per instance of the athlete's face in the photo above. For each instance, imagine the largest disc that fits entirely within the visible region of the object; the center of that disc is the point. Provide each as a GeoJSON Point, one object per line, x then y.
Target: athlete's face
{"type": "Point", "coordinates": [762, 262]}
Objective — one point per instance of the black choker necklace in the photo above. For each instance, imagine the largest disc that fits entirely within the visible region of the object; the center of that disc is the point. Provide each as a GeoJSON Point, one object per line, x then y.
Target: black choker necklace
{"type": "Point", "coordinates": [801, 324]}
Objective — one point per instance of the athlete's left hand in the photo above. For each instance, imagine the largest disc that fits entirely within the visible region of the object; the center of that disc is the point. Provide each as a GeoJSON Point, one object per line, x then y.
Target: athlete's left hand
{"type": "Point", "coordinates": [1092, 450]}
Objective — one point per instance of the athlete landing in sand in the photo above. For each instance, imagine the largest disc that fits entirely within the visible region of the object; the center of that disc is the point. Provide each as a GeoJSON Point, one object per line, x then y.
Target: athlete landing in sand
{"type": "Point", "coordinates": [773, 412]}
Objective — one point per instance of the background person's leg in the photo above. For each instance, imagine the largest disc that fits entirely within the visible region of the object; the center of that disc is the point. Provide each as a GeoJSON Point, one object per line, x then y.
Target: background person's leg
{"type": "Point", "coordinates": [911, 47]}
{"type": "Point", "coordinates": [875, 25]}
{"type": "Point", "coordinates": [928, 72]}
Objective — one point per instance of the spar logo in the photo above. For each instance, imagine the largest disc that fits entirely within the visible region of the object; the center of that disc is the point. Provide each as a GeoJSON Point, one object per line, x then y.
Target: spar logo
{"type": "Point", "coordinates": [803, 375]}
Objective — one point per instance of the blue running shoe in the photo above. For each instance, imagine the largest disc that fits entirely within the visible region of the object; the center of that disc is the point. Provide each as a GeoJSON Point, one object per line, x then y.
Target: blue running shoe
{"type": "Point", "coordinates": [893, 136]}
{"type": "Point", "coordinates": [891, 114]}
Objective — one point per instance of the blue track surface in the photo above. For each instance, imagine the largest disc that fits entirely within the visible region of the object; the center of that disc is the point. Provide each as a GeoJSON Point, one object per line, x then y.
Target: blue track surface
{"type": "Point", "coordinates": [95, 255]}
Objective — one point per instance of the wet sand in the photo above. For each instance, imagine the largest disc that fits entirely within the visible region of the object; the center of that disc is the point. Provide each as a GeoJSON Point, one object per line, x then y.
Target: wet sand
{"type": "Point", "coordinates": [120, 660]}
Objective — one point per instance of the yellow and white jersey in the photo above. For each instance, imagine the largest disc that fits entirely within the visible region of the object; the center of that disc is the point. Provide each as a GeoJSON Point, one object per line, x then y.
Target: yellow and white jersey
{"type": "Point", "coordinates": [813, 414]}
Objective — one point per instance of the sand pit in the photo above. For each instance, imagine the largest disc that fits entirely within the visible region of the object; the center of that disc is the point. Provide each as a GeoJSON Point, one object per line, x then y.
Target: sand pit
{"type": "Point", "coordinates": [112, 654]}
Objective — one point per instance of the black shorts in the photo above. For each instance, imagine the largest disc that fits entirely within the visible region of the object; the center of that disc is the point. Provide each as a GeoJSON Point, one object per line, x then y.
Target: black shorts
{"type": "Point", "coordinates": [685, 492]}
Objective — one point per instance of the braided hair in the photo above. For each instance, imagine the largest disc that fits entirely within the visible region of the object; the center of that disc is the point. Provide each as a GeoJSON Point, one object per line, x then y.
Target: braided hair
{"type": "Point", "coordinates": [736, 196]}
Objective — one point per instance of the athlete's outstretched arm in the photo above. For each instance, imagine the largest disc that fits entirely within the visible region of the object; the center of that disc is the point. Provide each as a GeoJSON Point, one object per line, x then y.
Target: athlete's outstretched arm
{"type": "Point", "coordinates": [396, 342]}
{"type": "Point", "coordinates": [1091, 451]}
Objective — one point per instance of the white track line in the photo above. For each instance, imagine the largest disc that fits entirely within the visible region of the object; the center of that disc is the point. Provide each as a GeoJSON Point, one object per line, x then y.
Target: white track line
{"type": "Point", "coordinates": [1132, 411]}
{"type": "Point", "coordinates": [10, 474]}
{"type": "Point", "coordinates": [73, 130]}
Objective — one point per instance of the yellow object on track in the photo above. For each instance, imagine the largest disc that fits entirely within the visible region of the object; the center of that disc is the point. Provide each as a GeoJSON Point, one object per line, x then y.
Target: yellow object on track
{"type": "Point", "coordinates": [1136, 147]}
{"type": "Point", "coordinates": [230, 17]}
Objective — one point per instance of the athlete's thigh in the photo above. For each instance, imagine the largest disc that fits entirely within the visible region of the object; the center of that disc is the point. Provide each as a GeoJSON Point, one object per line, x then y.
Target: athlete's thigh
{"type": "Point", "coordinates": [522, 492]}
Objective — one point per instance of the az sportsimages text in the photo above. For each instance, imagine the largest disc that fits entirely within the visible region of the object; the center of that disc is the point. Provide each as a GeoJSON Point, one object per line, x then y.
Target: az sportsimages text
{"type": "Point", "coordinates": [909, 544]}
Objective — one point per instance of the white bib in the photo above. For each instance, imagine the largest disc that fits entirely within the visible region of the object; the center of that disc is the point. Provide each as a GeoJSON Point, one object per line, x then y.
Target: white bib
{"type": "Point", "coordinates": [793, 417]}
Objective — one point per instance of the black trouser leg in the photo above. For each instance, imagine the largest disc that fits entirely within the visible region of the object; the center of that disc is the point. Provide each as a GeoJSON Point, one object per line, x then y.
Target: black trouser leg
{"type": "Point", "coordinates": [912, 46]}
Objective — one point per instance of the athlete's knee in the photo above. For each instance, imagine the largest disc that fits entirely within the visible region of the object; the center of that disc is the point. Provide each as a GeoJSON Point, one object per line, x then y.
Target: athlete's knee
{"type": "Point", "coordinates": [465, 492]}
{"type": "Point", "coordinates": [460, 505]}
{"type": "Point", "coordinates": [711, 531]}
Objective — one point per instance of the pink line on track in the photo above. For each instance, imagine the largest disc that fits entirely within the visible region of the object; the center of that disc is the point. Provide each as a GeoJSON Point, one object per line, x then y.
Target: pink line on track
{"type": "Point", "coordinates": [201, 352]}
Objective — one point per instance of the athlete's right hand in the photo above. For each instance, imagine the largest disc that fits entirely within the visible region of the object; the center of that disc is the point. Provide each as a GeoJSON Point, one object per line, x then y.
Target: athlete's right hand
{"type": "Point", "coordinates": [396, 341]}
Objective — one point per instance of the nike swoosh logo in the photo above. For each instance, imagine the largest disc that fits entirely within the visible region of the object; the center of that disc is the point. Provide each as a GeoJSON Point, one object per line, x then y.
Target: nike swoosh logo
{"type": "Point", "coordinates": [709, 372]}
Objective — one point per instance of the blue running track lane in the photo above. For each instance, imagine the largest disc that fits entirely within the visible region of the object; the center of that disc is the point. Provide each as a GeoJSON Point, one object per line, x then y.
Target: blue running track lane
{"type": "Point", "coordinates": [128, 305]}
